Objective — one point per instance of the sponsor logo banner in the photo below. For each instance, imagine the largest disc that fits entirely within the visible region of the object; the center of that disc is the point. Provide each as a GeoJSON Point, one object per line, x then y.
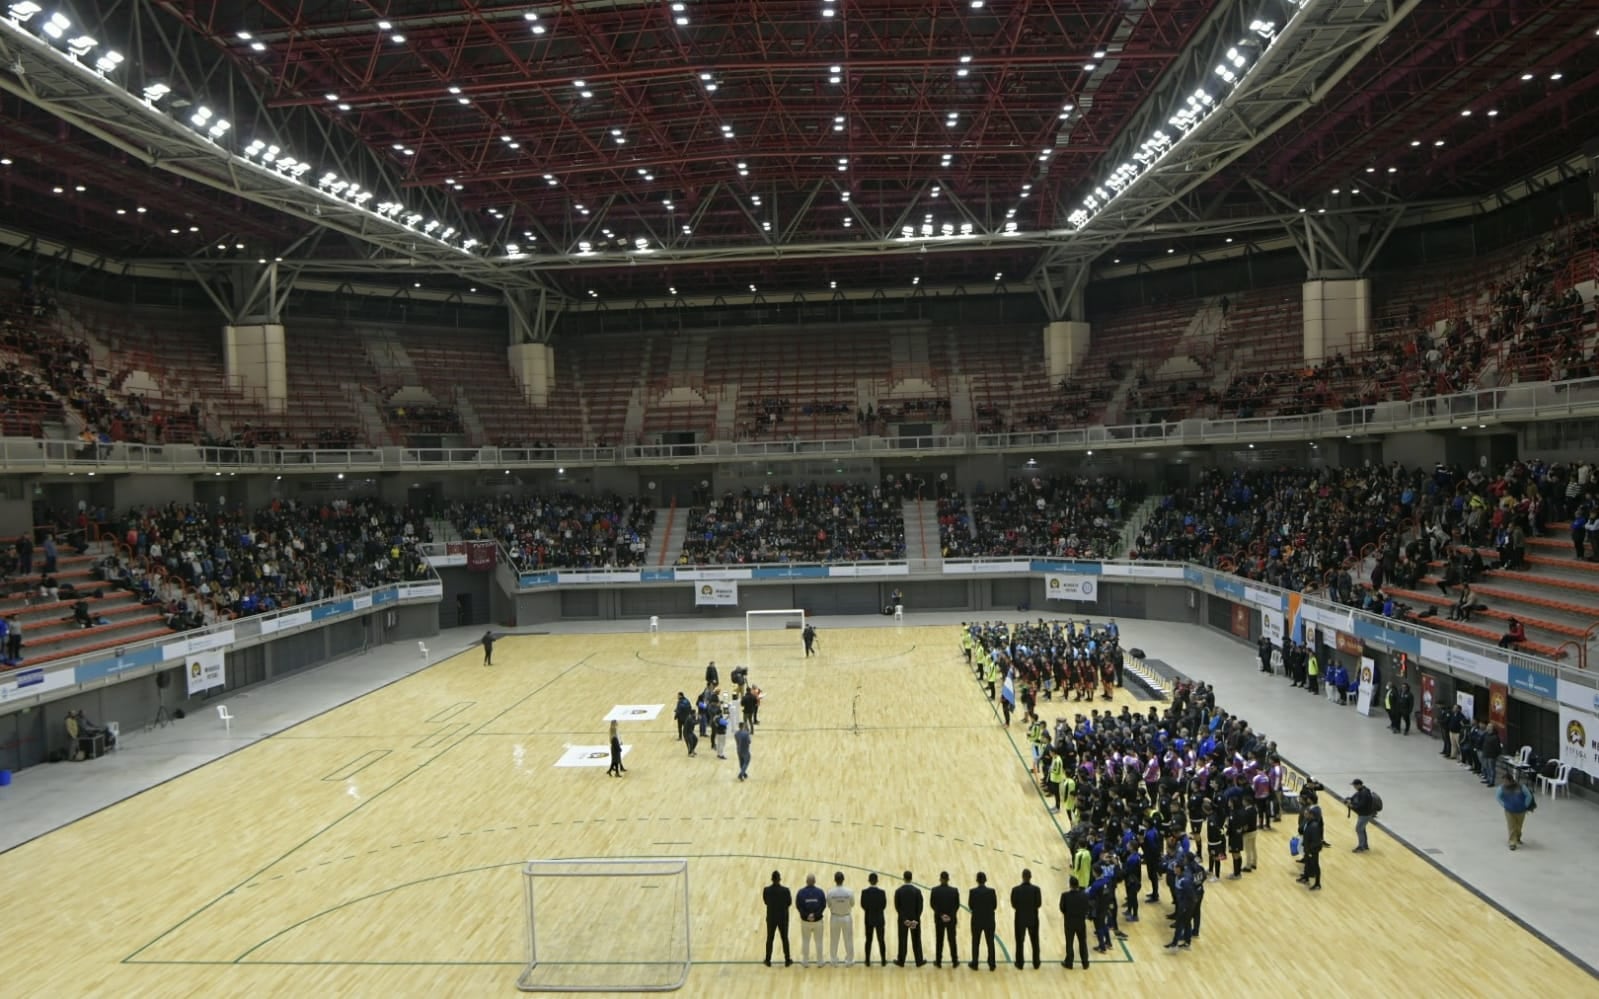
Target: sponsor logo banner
{"type": "Point", "coordinates": [205, 671]}
{"type": "Point", "coordinates": [1579, 740]}
{"type": "Point", "coordinates": [1492, 670]}
{"type": "Point", "coordinates": [716, 593]}
{"type": "Point", "coordinates": [1067, 586]}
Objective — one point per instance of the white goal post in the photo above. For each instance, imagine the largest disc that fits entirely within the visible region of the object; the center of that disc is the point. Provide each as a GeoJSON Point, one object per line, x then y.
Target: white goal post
{"type": "Point", "coordinates": [772, 628]}
{"type": "Point", "coordinates": [618, 924]}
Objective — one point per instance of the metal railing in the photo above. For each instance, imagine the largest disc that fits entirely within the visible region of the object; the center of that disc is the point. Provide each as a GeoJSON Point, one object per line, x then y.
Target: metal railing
{"type": "Point", "coordinates": [1482, 407]}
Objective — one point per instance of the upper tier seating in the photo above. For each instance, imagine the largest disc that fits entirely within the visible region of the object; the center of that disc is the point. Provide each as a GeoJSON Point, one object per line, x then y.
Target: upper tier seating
{"type": "Point", "coordinates": [807, 523]}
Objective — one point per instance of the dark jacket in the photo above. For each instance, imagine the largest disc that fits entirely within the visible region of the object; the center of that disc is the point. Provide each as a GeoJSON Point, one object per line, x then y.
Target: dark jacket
{"type": "Point", "coordinates": [1026, 899]}
{"type": "Point", "coordinates": [983, 902]}
{"type": "Point", "coordinates": [945, 901]}
{"type": "Point", "coordinates": [908, 902]}
{"type": "Point", "coordinates": [874, 903]}
{"type": "Point", "coordinates": [777, 899]}
{"type": "Point", "coordinates": [1074, 907]}
{"type": "Point", "coordinates": [811, 903]}
{"type": "Point", "coordinates": [1360, 803]}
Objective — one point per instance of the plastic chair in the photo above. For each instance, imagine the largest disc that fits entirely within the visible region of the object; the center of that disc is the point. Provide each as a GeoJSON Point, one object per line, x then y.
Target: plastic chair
{"type": "Point", "coordinates": [422, 648]}
{"type": "Point", "coordinates": [1523, 758]}
{"type": "Point", "coordinates": [116, 734]}
{"type": "Point", "coordinates": [1561, 779]}
{"type": "Point", "coordinates": [899, 612]}
{"type": "Point", "coordinates": [655, 623]}
{"type": "Point", "coordinates": [226, 716]}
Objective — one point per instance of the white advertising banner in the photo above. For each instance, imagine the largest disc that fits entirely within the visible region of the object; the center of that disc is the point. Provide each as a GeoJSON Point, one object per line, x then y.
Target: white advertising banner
{"type": "Point", "coordinates": [417, 590]}
{"type": "Point", "coordinates": [1578, 696]}
{"type": "Point", "coordinates": [598, 577]}
{"type": "Point", "coordinates": [1071, 586]}
{"type": "Point", "coordinates": [1493, 670]}
{"type": "Point", "coordinates": [698, 574]}
{"type": "Point", "coordinates": [1579, 740]}
{"type": "Point", "coordinates": [31, 682]}
{"type": "Point", "coordinates": [1142, 571]}
{"type": "Point", "coordinates": [716, 593]}
{"type": "Point", "coordinates": [285, 621]}
{"type": "Point", "coordinates": [1468, 704]}
{"type": "Point", "coordinates": [1368, 685]}
{"type": "Point", "coordinates": [964, 568]}
{"type": "Point", "coordinates": [206, 670]}
{"type": "Point", "coordinates": [1336, 620]}
{"type": "Point", "coordinates": [899, 569]}
{"type": "Point", "coordinates": [1271, 625]}
{"type": "Point", "coordinates": [1260, 598]}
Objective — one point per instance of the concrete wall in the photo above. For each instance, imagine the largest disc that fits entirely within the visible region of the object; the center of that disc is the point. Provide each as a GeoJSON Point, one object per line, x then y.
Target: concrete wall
{"type": "Point", "coordinates": [155, 490]}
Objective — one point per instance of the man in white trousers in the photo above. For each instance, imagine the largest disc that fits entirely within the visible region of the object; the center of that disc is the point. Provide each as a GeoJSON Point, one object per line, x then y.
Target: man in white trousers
{"type": "Point", "coordinates": [840, 906]}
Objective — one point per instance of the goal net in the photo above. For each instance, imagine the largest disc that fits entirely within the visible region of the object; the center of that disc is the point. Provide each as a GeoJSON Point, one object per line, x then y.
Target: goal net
{"type": "Point", "coordinates": [606, 925]}
{"type": "Point", "coordinates": [772, 629]}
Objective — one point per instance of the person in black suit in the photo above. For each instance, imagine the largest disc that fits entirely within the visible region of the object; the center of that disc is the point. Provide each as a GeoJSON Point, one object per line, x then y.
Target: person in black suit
{"type": "Point", "coordinates": [778, 901]}
{"type": "Point", "coordinates": [1026, 899]}
{"type": "Point", "coordinates": [1074, 909]}
{"type": "Point", "coordinates": [908, 909]}
{"type": "Point", "coordinates": [874, 903]}
{"type": "Point", "coordinates": [488, 648]}
{"type": "Point", "coordinates": [983, 903]}
{"type": "Point", "coordinates": [945, 901]}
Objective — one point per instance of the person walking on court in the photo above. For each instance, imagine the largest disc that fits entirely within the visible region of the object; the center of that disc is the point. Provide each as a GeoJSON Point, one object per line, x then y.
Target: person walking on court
{"type": "Point", "coordinates": [1312, 838]}
{"type": "Point", "coordinates": [983, 902]}
{"type": "Point", "coordinates": [841, 920]}
{"type": "Point", "coordinates": [945, 901]}
{"type": "Point", "coordinates": [1517, 799]}
{"type": "Point", "coordinates": [874, 905]}
{"type": "Point", "coordinates": [908, 912]}
{"type": "Point", "coordinates": [1405, 706]}
{"type": "Point", "coordinates": [742, 740]}
{"type": "Point", "coordinates": [1026, 899]}
{"type": "Point", "coordinates": [811, 903]}
{"type": "Point", "coordinates": [1074, 910]}
{"type": "Point", "coordinates": [616, 769]}
{"type": "Point", "coordinates": [1364, 804]}
{"type": "Point", "coordinates": [488, 648]}
{"type": "Point", "coordinates": [809, 637]}
{"type": "Point", "coordinates": [777, 898]}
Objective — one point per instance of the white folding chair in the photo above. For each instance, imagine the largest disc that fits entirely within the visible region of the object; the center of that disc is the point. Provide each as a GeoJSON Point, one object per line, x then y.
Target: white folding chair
{"type": "Point", "coordinates": [1523, 758]}
{"type": "Point", "coordinates": [899, 612]}
{"type": "Point", "coordinates": [422, 648]}
{"type": "Point", "coordinates": [1561, 779]}
{"type": "Point", "coordinates": [116, 734]}
{"type": "Point", "coordinates": [226, 716]}
{"type": "Point", "coordinates": [655, 623]}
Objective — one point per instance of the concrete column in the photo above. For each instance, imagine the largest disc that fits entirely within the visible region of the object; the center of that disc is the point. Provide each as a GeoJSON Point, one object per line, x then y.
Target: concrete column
{"type": "Point", "coordinates": [255, 362]}
{"type": "Point", "coordinates": [533, 368]}
{"type": "Point", "coordinates": [1337, 318]}
{"type": "Point", "coordinates": [1065, 348]}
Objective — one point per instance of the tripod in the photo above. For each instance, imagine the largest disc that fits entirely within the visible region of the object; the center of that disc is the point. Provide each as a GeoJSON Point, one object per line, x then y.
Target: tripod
{"type": "Point", "coordinates": [163, 717]}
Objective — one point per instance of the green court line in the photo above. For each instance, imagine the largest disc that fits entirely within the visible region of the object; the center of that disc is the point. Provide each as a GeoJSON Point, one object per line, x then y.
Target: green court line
{"type": "Point", "coordinates": [361, 805]}
{"type": "Point", "coordinates": [350, 769]}
{"type": "Point", "coordinates": [830, 661]}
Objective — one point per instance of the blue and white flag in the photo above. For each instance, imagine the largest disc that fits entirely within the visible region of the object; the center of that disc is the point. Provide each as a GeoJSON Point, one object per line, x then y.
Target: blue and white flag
{"type": "Point", "coordinates": [1008, 691]}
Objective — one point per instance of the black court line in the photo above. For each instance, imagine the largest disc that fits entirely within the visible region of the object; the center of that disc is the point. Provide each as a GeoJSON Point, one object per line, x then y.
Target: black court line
{"type": "Point", "coordinates": [429, 741]}
{"type": "Point", "coordinates": [451, 711]}
{"type": "Point", "coordinates": [357, 765]}
{"type": "Point", "coordinates": [363, 804]}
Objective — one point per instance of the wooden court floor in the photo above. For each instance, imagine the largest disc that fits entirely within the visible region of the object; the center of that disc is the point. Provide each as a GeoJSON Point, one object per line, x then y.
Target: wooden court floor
{"type": "Point", "coordinates": [376, 849]}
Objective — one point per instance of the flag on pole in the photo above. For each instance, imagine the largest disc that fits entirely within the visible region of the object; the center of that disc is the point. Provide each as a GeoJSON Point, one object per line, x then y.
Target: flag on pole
{"type": "Point", "coordinates": [1008, 691]}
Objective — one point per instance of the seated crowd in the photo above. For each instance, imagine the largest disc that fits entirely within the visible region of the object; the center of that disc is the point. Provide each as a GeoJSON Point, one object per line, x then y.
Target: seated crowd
{"type": "Point", "coordinates": [1078, 517]}
{"type": "Point", "coordinates": [566, 531]}
{"type": "Point", "coordinates": [808, 523]}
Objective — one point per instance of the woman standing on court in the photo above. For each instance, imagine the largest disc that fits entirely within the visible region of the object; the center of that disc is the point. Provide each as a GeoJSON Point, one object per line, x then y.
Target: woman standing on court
{"type": "Point", "coordinates": [617, 769]}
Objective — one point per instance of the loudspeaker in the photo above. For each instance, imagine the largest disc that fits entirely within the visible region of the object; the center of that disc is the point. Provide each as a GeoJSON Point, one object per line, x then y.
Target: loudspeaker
{"type": "Point", "coordinates": [163, 680]}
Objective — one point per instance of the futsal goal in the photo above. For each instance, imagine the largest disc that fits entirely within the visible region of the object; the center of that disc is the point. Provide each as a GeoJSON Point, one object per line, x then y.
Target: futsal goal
{"type": "Point", "coordinates": [772, 629]}
{"type": "Point", "coordinates": [606, 925]}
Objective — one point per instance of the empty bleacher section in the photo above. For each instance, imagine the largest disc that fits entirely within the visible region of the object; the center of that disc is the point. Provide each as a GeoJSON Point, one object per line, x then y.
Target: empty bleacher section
{"type": "Point", "coordinates": [170, 568]}
{"type": "Point", "coordinates": [1078, 517]}
{"type": "Point", "coordinates": [565, 531]}
{"type": "Point", "coordinates": [803, 523]}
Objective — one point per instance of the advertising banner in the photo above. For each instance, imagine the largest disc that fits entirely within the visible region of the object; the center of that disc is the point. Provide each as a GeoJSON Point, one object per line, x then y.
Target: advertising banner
{"type": "Point", "coordinates": [1579, 740]}
{"type": "Point", "coordinates": [1368, 684]}
{"type": "Point", "coordinates": [716, 593]}
{"type": "Point", "coordinates": [1065, 586]}
{"type": "Point", "coordinates": [206, 670]}
{"type": "Point", "coordinates": [1429, 700]}
{"type": "Point", "coordinates": [1241, 621]}
{"type": "Point", "coordinates": [1499, 709]}
{"type": "Point", "coordinates": [1271, 625]}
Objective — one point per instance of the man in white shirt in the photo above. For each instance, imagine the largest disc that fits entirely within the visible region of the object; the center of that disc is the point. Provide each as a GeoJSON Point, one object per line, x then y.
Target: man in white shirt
{"type": "Point", "coordinates": [840, 905]}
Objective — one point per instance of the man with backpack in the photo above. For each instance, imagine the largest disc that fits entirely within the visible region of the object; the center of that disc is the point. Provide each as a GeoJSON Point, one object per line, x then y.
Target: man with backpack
{"type": "Point", "coordinates": [1366, 804]}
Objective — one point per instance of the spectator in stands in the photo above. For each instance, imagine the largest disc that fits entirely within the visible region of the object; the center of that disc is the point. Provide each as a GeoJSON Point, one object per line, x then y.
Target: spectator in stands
{"type": "Point", "coordinates": [566, 531]}
{"type": "Point", "coordinates": [1514, 634]}
{"type": "Point", "coordinates": [1060, 517]}
{"type": "Point", "coordinates": [810, 523]}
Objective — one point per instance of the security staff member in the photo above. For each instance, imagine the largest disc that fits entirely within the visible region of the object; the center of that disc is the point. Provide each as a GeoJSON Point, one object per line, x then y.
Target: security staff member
{"type": "Point", "coordinates": [908, 913]}
{"type": "Point", "coordinates": [811, 903]}
{"type": "Point", "coordinates": [946, 904]}
{"type": "Point", "coordinates": [983, 903]}
{"type": "Point", "coordinates": [777, 898]}
{"type": "Point", "coordinates": [874, 903]}
{"type": "Point", "coordinates": [841, 923]}
{"type": "Point", "coordinates": [1026, 899]}
{"type": "Point", "coordinates": [1074, 909]}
